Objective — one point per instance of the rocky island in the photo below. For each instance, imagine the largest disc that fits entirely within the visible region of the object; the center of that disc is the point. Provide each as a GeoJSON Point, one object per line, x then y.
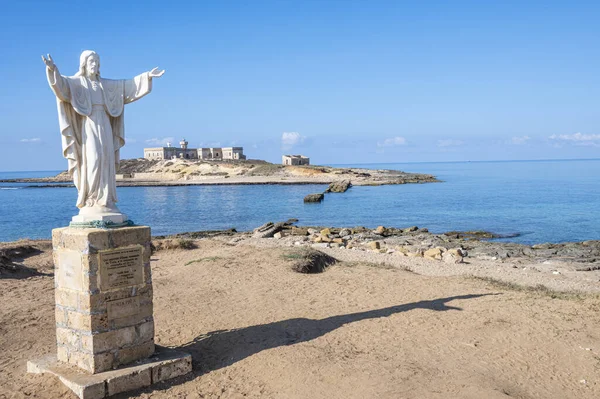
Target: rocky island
{"type": "Point", "coordinates": [178, 172]}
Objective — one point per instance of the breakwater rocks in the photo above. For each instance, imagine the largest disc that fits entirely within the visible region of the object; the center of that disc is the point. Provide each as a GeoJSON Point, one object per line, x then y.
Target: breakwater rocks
{"type": "Point", "coordinates": [314, 198]}
{"type": "Point", "coordinates": [451, 247]}
{"type": "Point", "coordinates": [336, 187]}
{"type": "Point", "coordinates": [339, 186]}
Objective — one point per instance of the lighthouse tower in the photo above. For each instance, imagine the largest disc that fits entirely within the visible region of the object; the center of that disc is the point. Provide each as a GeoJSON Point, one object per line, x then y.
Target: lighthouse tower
{"type": "Point", "coordinates": [183, 144]}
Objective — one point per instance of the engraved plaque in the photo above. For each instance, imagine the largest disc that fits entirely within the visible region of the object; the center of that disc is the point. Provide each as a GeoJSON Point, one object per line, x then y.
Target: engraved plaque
{"type": "Point", "coordinates": [123, 307]}
{"type": "Point", "coordinates": [121, 267]}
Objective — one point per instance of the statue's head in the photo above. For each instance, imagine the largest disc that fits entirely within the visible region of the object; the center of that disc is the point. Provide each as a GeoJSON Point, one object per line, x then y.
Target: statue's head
{"type": "Point", "coordinates": [89, 64]}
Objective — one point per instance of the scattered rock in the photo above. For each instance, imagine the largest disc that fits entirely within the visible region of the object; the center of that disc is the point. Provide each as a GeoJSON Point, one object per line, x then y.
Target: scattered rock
{"type": "Point", "coordinates": [264, 227]}
{"type": "Point", "coordinates": [457, 255]}
{"type": "Point", "coordinates": [267, 230]}
{"type": "Point", "coordinates": [345, 233]}
{"type": "Point", "coordinates": [375, 245]}
{"type": "Point", "coordinates": [380, 230]}
{"type": "Point", "coordinates": [299, 231]}
{"type": "Point", "coordinates": [433, 253]}
{"type": "Point", "coordinates": [415, 241]}
{"type": "Point", "coordinates": [352, 244]}
{"type": "Point", "coordinates": [312, 198]}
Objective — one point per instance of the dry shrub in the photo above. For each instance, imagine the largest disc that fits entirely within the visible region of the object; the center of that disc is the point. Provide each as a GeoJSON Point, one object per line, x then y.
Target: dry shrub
{"type": "Point", "coordinates": [172, 243]}
{"type": "Point", "coordinates": [265, 170]}
{"type": "Point", "coordinates": [309, 260]}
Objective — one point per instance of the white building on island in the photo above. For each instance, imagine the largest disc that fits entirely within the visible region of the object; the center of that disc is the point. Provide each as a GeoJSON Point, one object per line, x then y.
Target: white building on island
{"type": "Point", "coordinates": [183, 152]}
{"type": "Point", "coordinates": [170, 152]}
{"type": "Point", "coordinates": [295, 160]}
{"type": "Point", "coordinates": [221, 153]}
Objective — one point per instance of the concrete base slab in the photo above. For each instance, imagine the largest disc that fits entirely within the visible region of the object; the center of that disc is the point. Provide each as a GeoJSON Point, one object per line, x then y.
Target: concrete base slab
{"type": "Point", "coordinates": [164, 364]}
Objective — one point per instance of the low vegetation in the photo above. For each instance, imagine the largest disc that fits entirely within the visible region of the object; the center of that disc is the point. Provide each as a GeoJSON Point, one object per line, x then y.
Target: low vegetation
{"type": "Point", "coordinates": [307, 260]}
{"type": "Point", "coordinates": [207, 259]}
{"type": "Point", "coordinates": [170, 244]}
{"type": "Point", "coordinates": [539, 289]}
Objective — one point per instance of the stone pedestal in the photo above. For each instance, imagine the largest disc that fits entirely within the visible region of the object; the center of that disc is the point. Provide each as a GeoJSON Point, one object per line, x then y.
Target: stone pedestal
{"type": "Point", "coordinates": [103, 292]}
{"type": "Point", "coordinates": [103, 289]}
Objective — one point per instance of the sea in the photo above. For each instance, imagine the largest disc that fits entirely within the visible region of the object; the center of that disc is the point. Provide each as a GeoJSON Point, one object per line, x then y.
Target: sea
{"type": "Point", "coordinates": [525, 201]}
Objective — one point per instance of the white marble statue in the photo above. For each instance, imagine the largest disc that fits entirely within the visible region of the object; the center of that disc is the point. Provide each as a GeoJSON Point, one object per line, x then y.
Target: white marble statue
{"type": "Point", "coordinates": [90, 115]}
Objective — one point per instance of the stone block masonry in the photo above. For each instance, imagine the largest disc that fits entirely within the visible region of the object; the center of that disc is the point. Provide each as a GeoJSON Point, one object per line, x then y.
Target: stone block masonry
{"type": "Point", "coordinates": [103, 292]}
{"type": "Point", "coordinates": [104, 321]}
{"type": "Point", "coordinates": [163, 365]}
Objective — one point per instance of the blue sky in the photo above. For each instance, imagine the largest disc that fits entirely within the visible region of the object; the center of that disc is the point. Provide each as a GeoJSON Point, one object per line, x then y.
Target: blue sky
{"type": "Point", "coordinates": [339, 81]}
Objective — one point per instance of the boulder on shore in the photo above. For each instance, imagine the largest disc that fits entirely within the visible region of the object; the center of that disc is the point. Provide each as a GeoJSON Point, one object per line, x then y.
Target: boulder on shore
{"type": "Point", "coordinates": [382, 231]}
{"type": "Point", "coordinates": [314, 198]}
{"type": "Point", "coordinates": [267, 230]}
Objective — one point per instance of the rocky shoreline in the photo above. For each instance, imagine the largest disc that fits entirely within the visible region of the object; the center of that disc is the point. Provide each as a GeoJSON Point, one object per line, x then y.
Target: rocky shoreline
{"type": "Point", "coordinates": [417, 242]}
{"type": "Point", "coordinates": [572, 266]}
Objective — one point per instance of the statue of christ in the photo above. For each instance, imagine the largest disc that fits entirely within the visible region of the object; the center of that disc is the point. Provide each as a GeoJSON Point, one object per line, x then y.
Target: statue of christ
{"type": "Point", "coordinates": [90, 115]}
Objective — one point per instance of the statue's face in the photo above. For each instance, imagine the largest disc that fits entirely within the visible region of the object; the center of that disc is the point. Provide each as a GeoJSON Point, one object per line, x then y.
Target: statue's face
{"type": "Point", "coordinates": [92, 65]}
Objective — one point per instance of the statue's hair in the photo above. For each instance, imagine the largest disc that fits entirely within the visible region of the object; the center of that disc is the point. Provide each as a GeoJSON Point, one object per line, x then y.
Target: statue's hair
{"type": "Point", "coordinates": [83, 60]}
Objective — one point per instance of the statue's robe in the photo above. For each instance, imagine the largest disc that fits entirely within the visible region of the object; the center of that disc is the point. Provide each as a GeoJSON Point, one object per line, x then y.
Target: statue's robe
{"type": "Point", "coordinates": [90, 116]}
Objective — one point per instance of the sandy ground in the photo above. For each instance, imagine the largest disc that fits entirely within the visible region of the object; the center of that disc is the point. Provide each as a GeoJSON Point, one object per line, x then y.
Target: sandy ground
{"type": "Point", "coordinates": [257, 329]}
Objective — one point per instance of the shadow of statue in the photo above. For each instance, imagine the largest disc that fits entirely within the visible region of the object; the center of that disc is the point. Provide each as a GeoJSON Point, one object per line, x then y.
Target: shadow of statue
{"type": "Point", "coordinates": [221, 348]}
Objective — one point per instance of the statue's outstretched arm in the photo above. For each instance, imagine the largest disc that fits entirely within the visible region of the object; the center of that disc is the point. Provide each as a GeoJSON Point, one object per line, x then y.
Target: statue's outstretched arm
{"type": "Point", "coordinates": [141, 85]}
{"type": "Point", "coordinates": [56, 82]}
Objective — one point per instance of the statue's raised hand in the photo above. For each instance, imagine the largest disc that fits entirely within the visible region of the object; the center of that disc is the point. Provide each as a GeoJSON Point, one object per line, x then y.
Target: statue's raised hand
{"type": "Point", "coordinates": [49, 62]}
{"type": "Point", "coordinates": [156, 73]}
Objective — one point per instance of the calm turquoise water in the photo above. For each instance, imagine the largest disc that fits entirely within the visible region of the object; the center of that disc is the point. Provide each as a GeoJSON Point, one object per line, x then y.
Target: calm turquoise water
{"type": "Point", "coordinates": [544, 201]}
